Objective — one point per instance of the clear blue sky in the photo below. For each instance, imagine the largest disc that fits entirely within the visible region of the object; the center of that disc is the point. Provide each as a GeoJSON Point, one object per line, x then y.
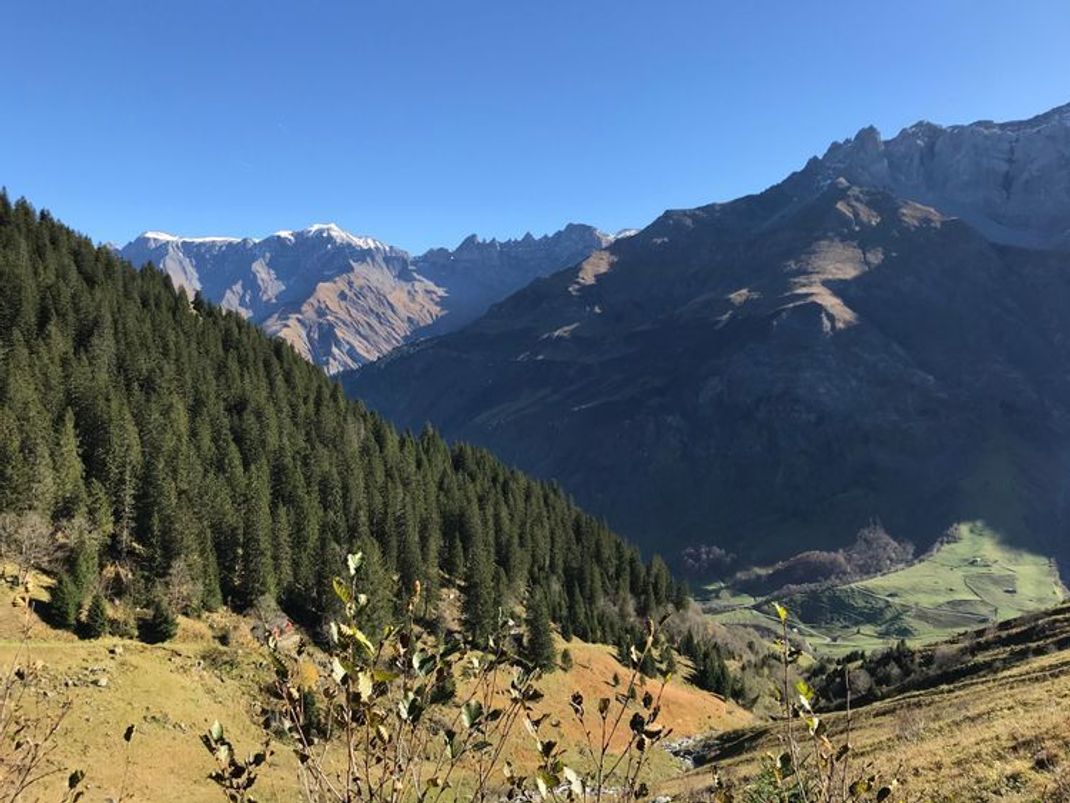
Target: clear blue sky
{"type": "Point", "coordinates": [420, 122]}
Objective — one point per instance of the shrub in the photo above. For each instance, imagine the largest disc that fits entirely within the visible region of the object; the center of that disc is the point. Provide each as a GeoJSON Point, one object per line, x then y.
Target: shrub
{"type": "Point", "coordinates": [566, 659]}
{"type": "Point", "coordinates": [123, 622]}
{"type": "Point", "coordinates": [380, 703]}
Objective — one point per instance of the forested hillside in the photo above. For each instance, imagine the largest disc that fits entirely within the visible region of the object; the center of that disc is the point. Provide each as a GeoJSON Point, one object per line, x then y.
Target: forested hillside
{"type": "Point", "coordinates": [174, 445]}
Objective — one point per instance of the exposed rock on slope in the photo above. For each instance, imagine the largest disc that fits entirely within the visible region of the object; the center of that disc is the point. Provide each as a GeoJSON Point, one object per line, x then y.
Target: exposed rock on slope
{"type": "Point", "coordinates": [1009, 180]}
{"type": "Point", "coordinates": [340, 300]}
{"type": "Point", "coordinates": [479, 272]}
{"type": "Point", "coordinates": [343, 300]}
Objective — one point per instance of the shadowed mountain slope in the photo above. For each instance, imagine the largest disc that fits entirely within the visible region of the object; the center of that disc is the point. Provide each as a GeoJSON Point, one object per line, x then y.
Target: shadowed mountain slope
{"type": "Point", "coordinates": [770, 374]}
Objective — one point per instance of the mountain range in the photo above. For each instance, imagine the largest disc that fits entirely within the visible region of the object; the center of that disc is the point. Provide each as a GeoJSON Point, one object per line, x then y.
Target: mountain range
{"type": "Point", "coordinates": [882, 335]}
{"type": "Point", "coordinates": [340, 299]}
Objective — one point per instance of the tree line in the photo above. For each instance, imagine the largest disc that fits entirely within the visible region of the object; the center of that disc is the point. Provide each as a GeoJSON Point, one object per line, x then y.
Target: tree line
{"type": "Point", "coordinates": [179, 452]}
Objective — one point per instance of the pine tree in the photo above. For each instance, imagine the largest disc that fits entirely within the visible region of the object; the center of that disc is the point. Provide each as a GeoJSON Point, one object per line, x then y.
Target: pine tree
{"type": "Point", "coordinates": [376, 584]}
{"type": "Point", "coordinates": [479, 607]}
{"type": "Point", "coordinates": [70, 493]}
{"type": "Point", "coordinates": [96, 618]}
{"type": "Point", "coordinates": [64, 602]}
{"type": "Point", "coordinates": [162, 624]}
{"type": "Point", "coordinates": [538, 639]}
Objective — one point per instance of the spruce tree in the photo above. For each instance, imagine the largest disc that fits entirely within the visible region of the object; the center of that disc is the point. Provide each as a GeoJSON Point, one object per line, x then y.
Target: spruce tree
{"type": "Point", "coordinates": [162, 624]}
{"type": "Point", "coordinates": [711, 673]}
{"type": "Point", "coordinates": [96, 618]}
{"type": "Point", "coordinates": [479, 607]}
{"type": "Point", "coordinates": [375, 583]}
{"type": "Point", "coordinates": [64, 602]}
{"type": "Point", "coordinates": [538, 636]}
{"type": "Point", "coordinates": [566, 659]}
{"type": "Point", "coordinates": [70, 486]}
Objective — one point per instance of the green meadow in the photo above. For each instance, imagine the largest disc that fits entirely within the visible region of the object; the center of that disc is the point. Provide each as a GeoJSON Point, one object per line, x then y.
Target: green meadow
{"type": "Point", "coordinates": [969, 581]}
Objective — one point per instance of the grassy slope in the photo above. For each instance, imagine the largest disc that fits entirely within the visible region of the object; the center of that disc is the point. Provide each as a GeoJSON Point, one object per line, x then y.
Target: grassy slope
{"type": "Point", "coordinates": [1000, 733]}
{"type": "Point", "coordinates": [173, 692]}
{"type": "Point", "coordinates": [966, 583]}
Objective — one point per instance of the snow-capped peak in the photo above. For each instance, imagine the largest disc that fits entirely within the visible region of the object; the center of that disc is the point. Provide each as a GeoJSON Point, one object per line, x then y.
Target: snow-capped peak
{"type": "Point", "coordinates": [335, 232]}
{"type": "Point", "coordinates": [164, 237]}
{"type": "Point", "coordinates": [331, 230]}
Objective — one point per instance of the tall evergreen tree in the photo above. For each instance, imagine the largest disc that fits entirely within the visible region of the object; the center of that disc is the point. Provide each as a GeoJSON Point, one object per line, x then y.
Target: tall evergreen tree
{"type": "Point", "coordinates": [538, 635]}
{"type": "Point", "coordinates": [480, 606]}
{"type": "Point", "coordinates": [70, 492]}
{"type": "Point", "coordinates": [376, 584]}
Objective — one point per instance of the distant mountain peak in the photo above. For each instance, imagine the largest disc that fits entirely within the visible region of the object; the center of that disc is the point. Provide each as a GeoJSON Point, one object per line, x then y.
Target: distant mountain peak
{"type": "Point", "coordinates": [1006, 179]}
{"type": "Point", "coordinates": [336, 233]}
{"type": "Point", "coordinates": [164, 237]}
{"type": "Point", "coordinates": [343, 299]}
{"type": "Point", "coordinates": [323, 230]}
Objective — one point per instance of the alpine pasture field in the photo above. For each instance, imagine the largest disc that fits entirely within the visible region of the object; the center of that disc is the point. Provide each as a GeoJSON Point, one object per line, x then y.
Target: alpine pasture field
{"type": "Point", "coordinates": [970, 580]}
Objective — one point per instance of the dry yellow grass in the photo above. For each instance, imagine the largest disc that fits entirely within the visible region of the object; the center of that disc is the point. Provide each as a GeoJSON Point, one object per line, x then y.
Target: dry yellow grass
{"type": "Point", "coordinates": [1003, 737]}
{"type": "Point", "coordinates": [173, 692]}
{"type": "Point", "coordinates": [167, 692]}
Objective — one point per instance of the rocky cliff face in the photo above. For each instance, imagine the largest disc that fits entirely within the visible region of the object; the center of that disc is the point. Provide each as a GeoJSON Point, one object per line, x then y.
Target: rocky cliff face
{"type": "Point", "coordinates": [343, 300]}
{"type": "Point", "coordinates": [773, 373]}
{"type": "Point", "coordinates": [340, 300]}
{"type": "Point", "coordinates": [1011, 180]}
{"type": "Point", "coordinates": [480, 272]}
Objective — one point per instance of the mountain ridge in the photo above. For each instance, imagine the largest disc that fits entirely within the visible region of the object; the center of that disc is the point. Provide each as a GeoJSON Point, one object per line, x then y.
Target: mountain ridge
{"type": "Point", "coordinates": [787, 365]}
{"type": "Point", "coordinates": [342, 299]}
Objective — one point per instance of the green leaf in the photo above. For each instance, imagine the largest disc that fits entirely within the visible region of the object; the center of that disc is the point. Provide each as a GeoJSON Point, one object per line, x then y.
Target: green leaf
{"type": "Point", "coordinates": [861, 787]}
{"type": "Point", "coordinates": [471, 713]}
{"type": "Point", "coordinates": [358, 636]}
{"type": "Point", "coordinates": [781, 611]}
{"type": "Point", "coordinates": [216, 731]}
{"type": "Point", "coordinates": [341, 590]}
{"type": "Point", "coordinates": [423, 663]}
{"type": "Point", "coordinates": [410, 708]}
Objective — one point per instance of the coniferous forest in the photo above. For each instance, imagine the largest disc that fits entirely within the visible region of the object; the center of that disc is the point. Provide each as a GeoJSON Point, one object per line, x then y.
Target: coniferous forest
{"type": "Point", "coordinates": [172, 444]}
